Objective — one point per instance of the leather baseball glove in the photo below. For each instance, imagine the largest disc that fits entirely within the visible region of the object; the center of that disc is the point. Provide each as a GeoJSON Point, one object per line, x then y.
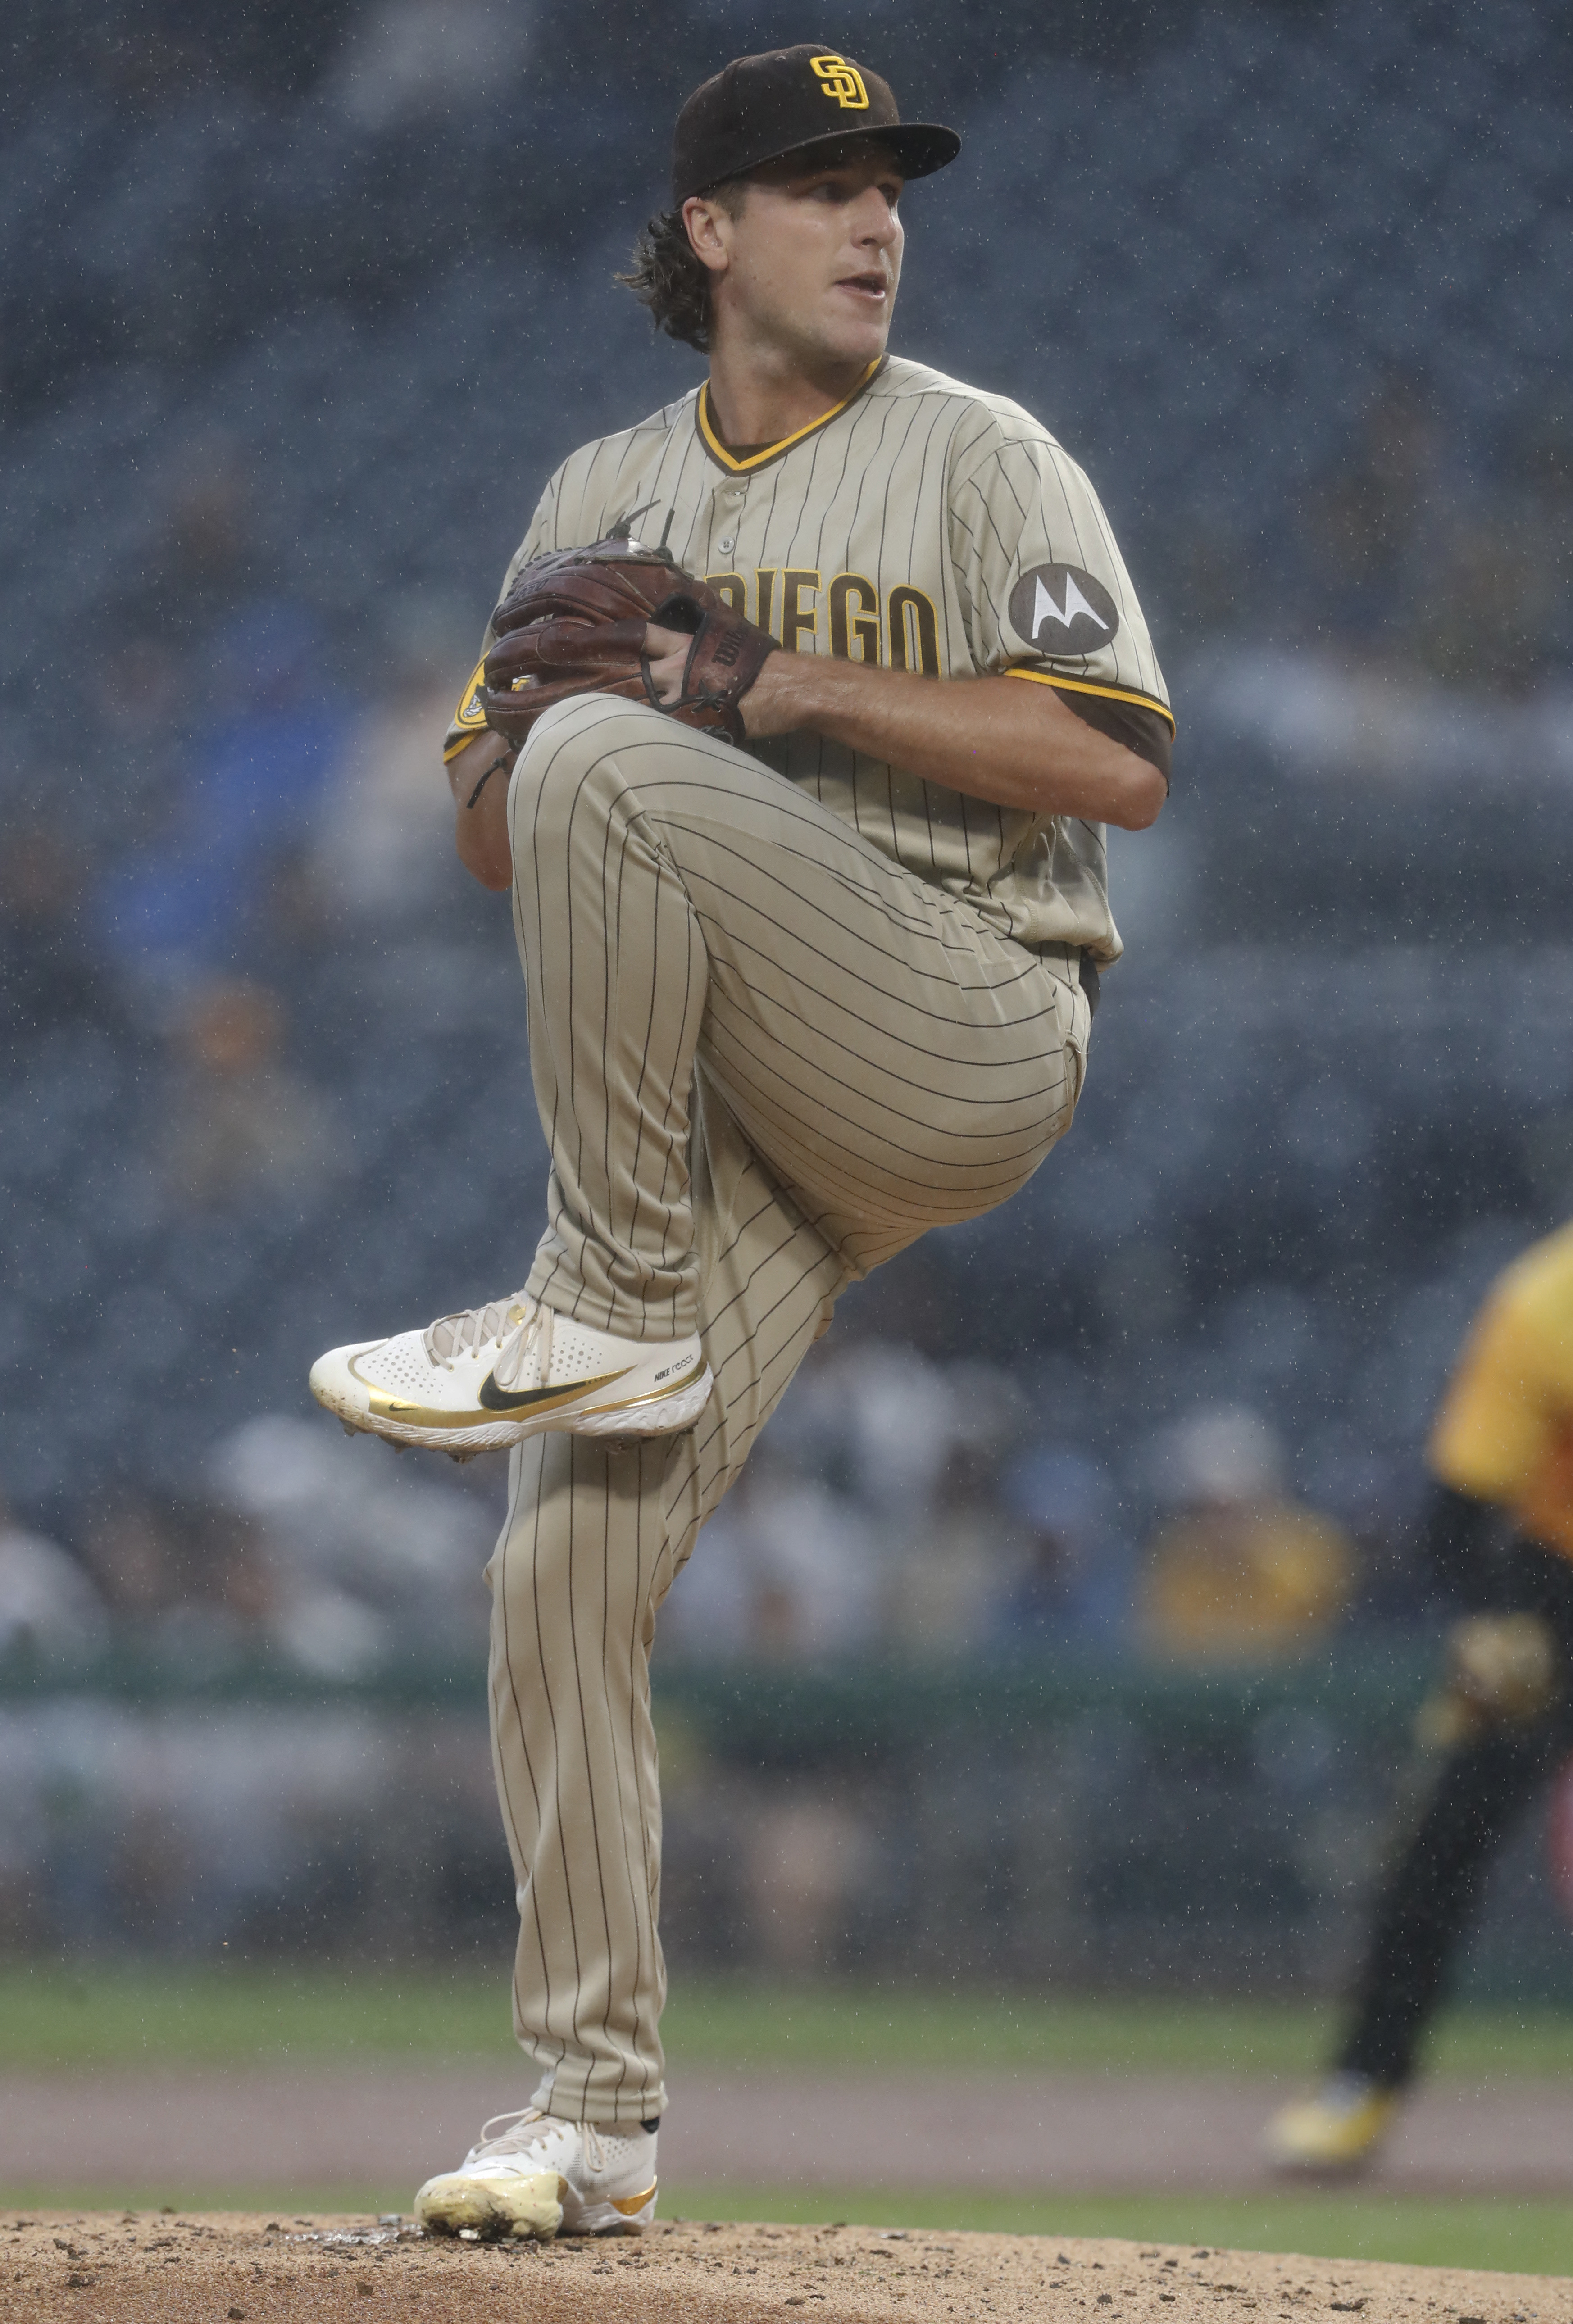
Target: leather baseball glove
{"type": "Point", "coordinates": [574, 622]}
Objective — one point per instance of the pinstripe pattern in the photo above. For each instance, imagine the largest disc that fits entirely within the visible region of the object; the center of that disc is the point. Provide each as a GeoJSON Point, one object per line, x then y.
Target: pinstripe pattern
{"type": "Point", "coordinates": [766, 1057]}
{"type": "Point", "coordinates": [897, 1063]}
{"type": "Point", "coordinates": [920, 483]}
{"type": "Point", "coordinates": [781, 1022]}
{"type": "Point", "coordinates": [595, 1533]}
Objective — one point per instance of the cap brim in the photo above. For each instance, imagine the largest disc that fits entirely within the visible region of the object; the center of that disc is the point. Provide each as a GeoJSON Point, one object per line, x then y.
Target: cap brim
{"type": "Point", "coordinates": [921, 147]}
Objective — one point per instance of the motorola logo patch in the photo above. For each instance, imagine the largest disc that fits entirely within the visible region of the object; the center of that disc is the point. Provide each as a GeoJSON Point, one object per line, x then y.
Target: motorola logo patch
{"type": "Point", "coordinates": [1061, 610]}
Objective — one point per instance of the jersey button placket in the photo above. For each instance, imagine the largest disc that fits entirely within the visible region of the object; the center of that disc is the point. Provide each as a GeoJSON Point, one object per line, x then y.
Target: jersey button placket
{"type": "Point", "coordinates": [729, 506]}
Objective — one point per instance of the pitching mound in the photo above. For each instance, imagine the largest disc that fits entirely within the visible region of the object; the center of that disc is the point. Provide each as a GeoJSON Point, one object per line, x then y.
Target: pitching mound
{"type": "Point", "coordinates": [143, 2268]}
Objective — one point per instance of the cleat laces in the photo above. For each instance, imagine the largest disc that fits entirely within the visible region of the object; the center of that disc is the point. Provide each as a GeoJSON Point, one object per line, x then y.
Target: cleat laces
{"type": "Point", "coordinates": [528, 2128]}
{"type": "Point", "coordinates": [514, 1320]}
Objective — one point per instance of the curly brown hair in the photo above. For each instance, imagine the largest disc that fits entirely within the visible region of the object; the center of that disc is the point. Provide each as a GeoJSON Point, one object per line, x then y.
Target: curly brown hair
{"type": "Point", "coordinates": [665, 275]}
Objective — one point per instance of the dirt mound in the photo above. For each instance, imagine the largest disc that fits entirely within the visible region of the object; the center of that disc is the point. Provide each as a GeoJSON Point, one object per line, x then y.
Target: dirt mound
{"type": "Point", "coordinates": [233, 2268]}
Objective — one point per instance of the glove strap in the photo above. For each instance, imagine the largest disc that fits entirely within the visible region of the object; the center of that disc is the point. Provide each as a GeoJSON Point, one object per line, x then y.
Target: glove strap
{"type": "Point", "coordinates": [500, 760]}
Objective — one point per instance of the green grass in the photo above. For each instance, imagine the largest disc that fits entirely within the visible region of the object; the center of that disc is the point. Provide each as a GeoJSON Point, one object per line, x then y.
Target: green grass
{"type": "Point", "coordinates": [207, 2014]}
{"type": "Point", "coordinates": [1534, 2238]}
{"type": "Point", "coordinates": [203, 2016]}
{"type": "Point", "coordinates": [942, 2032]}
{"type": "Point", "coordinates": [241, 2015]}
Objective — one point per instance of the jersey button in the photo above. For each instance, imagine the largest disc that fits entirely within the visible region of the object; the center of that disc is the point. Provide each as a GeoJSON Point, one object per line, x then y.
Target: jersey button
{"type": "Point", "coordinates": [728, 543]}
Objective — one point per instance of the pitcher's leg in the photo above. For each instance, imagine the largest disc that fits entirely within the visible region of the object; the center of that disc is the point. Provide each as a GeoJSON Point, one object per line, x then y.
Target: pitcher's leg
{"type": "Point", "coordinates": [582, 1563]}
{"type": "Point", "coordinates": [595, 1533]}
{"type": "Point", "coordinates": [897, 1063]}
{"type": "Point", "coordinates": [615, 977]}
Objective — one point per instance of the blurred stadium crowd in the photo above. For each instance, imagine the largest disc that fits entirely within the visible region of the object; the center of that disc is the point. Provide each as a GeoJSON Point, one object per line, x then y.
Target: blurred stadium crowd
{"type": "Point", "coordinates": [297, 315]}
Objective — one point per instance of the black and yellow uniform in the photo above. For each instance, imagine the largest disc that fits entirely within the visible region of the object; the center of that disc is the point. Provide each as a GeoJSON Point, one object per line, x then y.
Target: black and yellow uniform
{"type": "Point", "coordinates": [1501, 1451]}
{"type": "Point", "coordinates": [1504, 1433]}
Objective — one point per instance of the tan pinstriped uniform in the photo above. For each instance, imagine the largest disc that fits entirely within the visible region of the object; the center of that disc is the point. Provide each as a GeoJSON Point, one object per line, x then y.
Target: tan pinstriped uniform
{"type": "Point", "coordinates": [787, 1010]}
{"type": "Point", "coordinates": [924, 526]}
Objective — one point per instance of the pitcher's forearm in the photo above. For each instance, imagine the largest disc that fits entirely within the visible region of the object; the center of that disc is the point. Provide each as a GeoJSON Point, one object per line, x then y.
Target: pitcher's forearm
{"type": "Point", "coordinates": [1003, 740]}
{"type": "Point", "coordinates": [477, 776]}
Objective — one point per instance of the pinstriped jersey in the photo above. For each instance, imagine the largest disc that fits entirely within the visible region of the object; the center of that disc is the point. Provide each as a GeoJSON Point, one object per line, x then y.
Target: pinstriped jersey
{"type": "Point", "coordinates": [922, 525]}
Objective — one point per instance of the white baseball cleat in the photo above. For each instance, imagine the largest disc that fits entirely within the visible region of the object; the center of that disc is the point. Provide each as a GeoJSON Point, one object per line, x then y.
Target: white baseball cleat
{"type": "Point", "coordinates": [543, 2176]}
{"type": "Point", "coordinates": [485, 1378]}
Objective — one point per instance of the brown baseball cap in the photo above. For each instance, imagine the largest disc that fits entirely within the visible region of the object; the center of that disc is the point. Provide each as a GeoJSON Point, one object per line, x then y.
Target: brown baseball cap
{"type": "Point", "coordinates": [789, 100]}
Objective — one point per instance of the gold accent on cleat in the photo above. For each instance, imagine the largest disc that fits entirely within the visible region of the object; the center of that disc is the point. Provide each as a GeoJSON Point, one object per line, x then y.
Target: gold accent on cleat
{"type": "Point", "coordinates": [629, 2204]}
{"type": "Point", "coordinates": [657, 1395]}
{"type": "Point", "coordinates": [499, 1405]}
{"type": "Point", "coordinates": [510, 1401]}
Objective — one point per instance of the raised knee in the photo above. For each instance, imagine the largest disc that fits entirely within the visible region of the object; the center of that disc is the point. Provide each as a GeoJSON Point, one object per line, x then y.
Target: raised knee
{"type": "Point", "coordinates": [577, 732]}
{"type": "Point", "coordinates": [566, 761]}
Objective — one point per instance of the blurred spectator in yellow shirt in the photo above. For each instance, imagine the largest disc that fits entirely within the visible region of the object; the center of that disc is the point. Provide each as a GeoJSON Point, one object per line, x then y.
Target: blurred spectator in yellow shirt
{"type": "Point", "coordinates": [1241, 1572]}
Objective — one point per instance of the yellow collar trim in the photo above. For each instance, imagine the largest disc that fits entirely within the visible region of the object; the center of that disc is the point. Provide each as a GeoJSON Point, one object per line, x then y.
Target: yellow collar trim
{"type": "Point", "coordinates": [718, 451]}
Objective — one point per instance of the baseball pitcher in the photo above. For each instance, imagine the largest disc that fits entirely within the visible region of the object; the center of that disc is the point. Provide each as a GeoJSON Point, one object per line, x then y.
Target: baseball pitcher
{"type": "Point", "coordinates": [795, 731]}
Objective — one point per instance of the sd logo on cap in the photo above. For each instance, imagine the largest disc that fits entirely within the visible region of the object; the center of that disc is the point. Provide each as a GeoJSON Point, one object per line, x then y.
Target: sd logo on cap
{"type": "Point", "coordinates": [842, 81]}
{"type": "Point", "coordinates": [787, 101]}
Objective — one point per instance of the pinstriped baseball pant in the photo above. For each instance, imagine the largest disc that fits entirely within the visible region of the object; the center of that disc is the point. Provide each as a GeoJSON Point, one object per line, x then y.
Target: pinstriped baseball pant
{"type": "Point", "coordinates": [766, 1057]}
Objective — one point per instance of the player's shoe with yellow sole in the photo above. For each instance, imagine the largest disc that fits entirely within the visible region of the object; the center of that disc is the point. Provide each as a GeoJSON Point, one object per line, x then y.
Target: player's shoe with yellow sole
{"type": "Point", "coordinates": [542, 2176]}
{"type": "Point", "coordinates": [478, 1381]}
{"type": "Point", "coordinates": [1338, 2127]}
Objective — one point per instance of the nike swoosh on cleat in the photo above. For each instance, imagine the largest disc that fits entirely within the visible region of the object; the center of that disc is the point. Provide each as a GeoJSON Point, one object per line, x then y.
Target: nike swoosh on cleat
{"type": "Point", "coordinates": [493, 1398]}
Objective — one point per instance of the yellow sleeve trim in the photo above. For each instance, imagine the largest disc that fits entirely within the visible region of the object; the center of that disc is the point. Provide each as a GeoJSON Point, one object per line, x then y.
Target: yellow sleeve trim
{"type": "Point", "coordinates": [469, 717]}
{"type": "Point", "coordinates": [718, 451]}
{"type": "Point", "coordinates": [1109, 693]}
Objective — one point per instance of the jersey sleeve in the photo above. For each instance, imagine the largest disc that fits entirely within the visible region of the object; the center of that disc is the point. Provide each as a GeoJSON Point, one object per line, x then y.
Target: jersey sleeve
{"type": "Point", "coordinates": [470, 719]}
{"type": "Point", "coordinates": [1504, 1411]}
{"type": "Point", "coordinates": [1045, 591]}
